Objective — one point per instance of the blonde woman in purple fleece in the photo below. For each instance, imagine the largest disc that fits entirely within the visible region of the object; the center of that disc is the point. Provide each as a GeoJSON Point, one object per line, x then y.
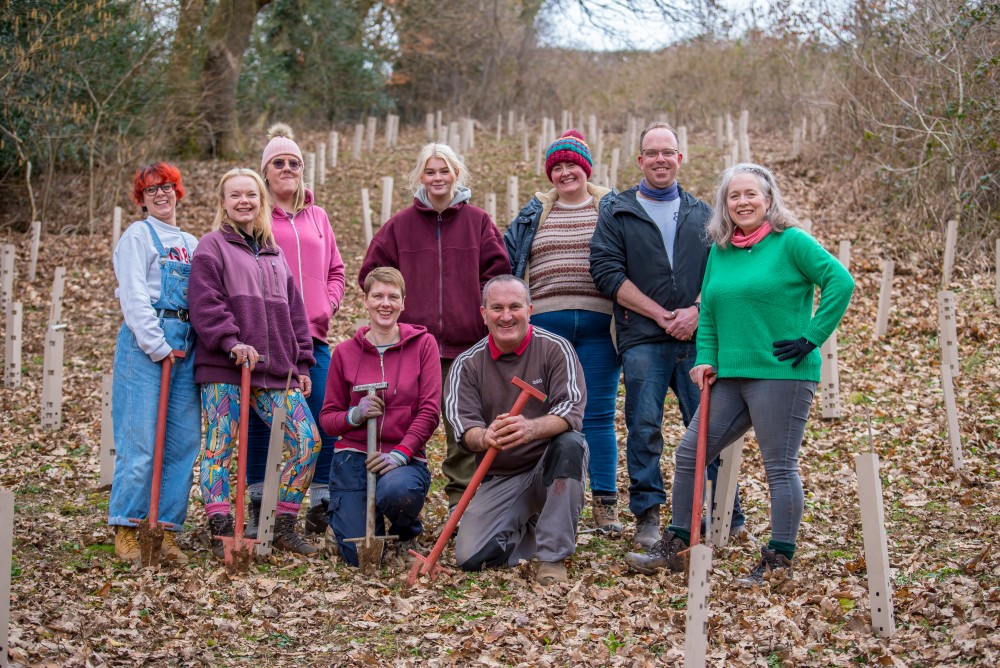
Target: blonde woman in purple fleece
{"type": "Point", "coordinates": [244, 304]}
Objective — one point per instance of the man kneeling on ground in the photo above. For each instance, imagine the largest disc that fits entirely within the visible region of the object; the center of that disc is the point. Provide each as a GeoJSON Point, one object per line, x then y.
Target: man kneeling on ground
{"type": "Point", "coordinates": [528, 506]}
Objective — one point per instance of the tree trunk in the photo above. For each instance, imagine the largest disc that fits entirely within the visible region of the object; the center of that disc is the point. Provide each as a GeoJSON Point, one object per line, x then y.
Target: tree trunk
{"type": "Point", "coordinates": [227, 38]}
{"type": "Point", "coordinates": [182, 86]}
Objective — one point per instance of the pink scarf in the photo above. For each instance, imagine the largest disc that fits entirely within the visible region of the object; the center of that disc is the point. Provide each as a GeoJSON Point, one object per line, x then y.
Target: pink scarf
{"type": "Point", "coordinates": [743, 240]}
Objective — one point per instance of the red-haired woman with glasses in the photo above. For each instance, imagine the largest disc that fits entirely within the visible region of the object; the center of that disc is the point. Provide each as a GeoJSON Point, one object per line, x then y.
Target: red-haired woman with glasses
{"type": "Point", "coordinates": [152, 263]}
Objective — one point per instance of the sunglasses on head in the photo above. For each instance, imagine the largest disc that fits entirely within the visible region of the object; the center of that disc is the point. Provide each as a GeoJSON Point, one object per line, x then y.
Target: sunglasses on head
{"type": "Point", "coordinates": [294, 165]}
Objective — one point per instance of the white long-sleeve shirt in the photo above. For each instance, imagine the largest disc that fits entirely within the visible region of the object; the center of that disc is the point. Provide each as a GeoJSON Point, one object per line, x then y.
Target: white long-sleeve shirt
{"type": "Point", "coordinates": [137, 268]}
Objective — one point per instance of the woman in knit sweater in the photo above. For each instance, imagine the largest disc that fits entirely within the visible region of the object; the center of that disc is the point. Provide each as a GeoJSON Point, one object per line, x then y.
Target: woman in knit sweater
{"type": "Point", "coordinates": [757, 341]}
{"type": "Point", "coordinates": [549, 247]}
{"type": "Point", "coordinates": [247, 311]}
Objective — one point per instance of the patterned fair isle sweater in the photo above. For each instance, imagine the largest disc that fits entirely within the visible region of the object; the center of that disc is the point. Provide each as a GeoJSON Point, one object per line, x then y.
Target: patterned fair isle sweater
{"type": "Point", "coordinates": [559, 273]}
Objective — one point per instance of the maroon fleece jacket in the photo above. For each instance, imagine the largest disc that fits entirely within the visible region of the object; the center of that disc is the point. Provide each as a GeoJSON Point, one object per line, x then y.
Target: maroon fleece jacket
{"type": "Point", "coordinates": [446, 260]}
{"type": "Point", "coordinates": [238, 297]}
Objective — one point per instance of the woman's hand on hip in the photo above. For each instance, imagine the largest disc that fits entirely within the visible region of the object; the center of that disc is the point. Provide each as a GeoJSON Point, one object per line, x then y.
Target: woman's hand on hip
{"type": "Point", "coordinates": [703, 373]}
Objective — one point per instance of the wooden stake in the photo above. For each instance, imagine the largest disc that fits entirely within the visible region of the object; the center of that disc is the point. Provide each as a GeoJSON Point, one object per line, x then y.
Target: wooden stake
{"type": "Point", "coordinates": [429, 126]}
{"type": "Point", "coordinates": [310, 170]}
{"type": "Point", "coordinates": [386, 198]}
{"type": "Point", "coordinates": [36, 236]}
{"type": "Point", "coordinates": [359, 136]}
{"type": "Point", "coordinates": [7, 253]}
{"type": "Point", "coordinates": [729, 129]}
{"type": "Point", "coordinates": [725, 494]}
{"type": "Point", "coordinates": [513, 200]}
{"type": "Point", "coordinates": [949, 252]}
{"type": "Point", "coordinates": [745, 136]}
{"type": "Point", "coordinates": [699, 587]}
{"type": "Point", "coordinates": [366, 216]}
{"type": "Point", "coordinates": [6, 549]}
{"type": "Point", "coordinates": [370, 133]}
{"type": "Point", "coordinates": [388, 130]}
{"type": "Point", "coordinates": [12, 346]}
{"type": "Point", "coordinates": [948, 331]}
{"type": "Point", "coordinates": [334, 142]}
{"type": "Point", "coordinates": [876, 546]}
{"type": "Point", "coordinates": [844, 254]}
{"type": "Point", "coordinates": [107, 453]}
{"type": "Point", "coordinates": [116, 228]}
{"type": "Point", "coordinates": [613, 173]}
{"type": "Point", "coordinates": [491, 206]}
{"type": "Point", "coordinates": [830, 379]}
{"type": "Point", "coordinates": [321, 163]}
{"type": "Point", "coordinates": [592, 132]}
{"type": "Point", "coordinates": [682, 141]}
{"type": "Point", "coordinates": [951, 413]}
{"type": "Point", "coordinates": [55, 310]}
{"type": "Point", "coordinates": [510, 123]}
{"type": "Point", "coordinates": [884, 299]}
{"type": "Point", "coordinates": [272, 481]}
{"type": "Point", "coordinates": [52, 377]}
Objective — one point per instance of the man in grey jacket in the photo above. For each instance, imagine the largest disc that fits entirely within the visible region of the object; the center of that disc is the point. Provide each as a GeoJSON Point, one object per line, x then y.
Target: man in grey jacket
{"type": "Point", "coordinates": [648, 254]}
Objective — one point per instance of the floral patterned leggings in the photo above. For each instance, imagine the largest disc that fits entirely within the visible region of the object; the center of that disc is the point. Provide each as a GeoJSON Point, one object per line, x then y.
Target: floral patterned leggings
{"type": "Point", "coordinates": [220, 404]}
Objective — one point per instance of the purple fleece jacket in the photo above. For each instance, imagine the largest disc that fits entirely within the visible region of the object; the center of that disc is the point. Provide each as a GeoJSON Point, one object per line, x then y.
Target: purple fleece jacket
{"type": "Point", "coordinates": [412, 401]}
{"type": "Point", "coordinates": [236, 297]}
{"type": "Point", "coordinates": [446, 260]}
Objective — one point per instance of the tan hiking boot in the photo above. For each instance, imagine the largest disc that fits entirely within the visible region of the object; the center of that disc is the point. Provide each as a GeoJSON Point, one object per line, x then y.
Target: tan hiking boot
{"type": "Point", "coordinates": [605, 512]}
{"type": "Point", "coordinates": [286, 540]}
{"type": "Point", "coordinates": [171, 551]}
{"type": "Point", "coordinates": [127, 544]}
{"type": "Point", "coordinates": [551, 572]}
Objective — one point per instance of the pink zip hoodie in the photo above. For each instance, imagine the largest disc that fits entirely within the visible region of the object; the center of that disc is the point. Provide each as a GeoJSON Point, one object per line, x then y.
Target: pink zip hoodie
{"type": "Point", "coordinates": [309, 245]}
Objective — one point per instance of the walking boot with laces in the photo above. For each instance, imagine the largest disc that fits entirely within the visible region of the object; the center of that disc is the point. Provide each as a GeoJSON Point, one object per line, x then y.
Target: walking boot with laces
{"type": "Point", "coordinates": [317, 518]}
{"type": "Point", "coordinates": [663, 554]}
{"type": "Point", "coordinates": [127, 544]}
{"type": "Point", "coordinates": [220, 525]}
{"type": "Point", "coordinates": [171, 551]}
{"type": "Point", "coordinates": [771, 566]}
{"type": "Point", "coordinates": [287, 540]}
{"type": "Point", "coordinates": [550, 572]}
{"type": "Point", "coordinates": [647, 529]}
{"type": "Point", "coordinates": [605, 511]}
{"type": "Point", "coordinates": [252, 525]}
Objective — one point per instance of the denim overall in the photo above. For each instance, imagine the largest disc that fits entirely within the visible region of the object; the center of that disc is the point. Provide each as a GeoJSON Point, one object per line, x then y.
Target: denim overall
{"type": "Point", "coordinates": [135, 399]}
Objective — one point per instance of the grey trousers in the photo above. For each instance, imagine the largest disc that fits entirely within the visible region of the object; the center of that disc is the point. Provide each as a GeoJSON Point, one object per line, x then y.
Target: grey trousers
{"type": "Point", "coordinates": [530, 514]}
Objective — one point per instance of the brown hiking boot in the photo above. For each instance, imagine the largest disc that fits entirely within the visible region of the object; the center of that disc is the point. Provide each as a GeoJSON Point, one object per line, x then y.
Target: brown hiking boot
{"type": "Point", "coordinates": [171, 551]}
{"type": "Point", "coordinates": [663, 554]}
{"type": "Point", "coordinates": [647, 529]}
{"type": "Point", "coordinates": [551, 572]}
{"type": "Point", "coordinates": [772, 566]}
{"type": "Point", "coordinates": [605, 511]}
{"type": "Point", "coordinates": [127, 544]}
{"type": "Point", "coordinates": [287, 540]}
{"type": "Point", "coordinates": [220, 525]}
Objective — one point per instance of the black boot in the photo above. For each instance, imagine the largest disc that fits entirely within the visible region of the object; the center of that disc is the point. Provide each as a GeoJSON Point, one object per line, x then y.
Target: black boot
{"type": "Point", "coordinates": [220, 525]}
{"type": "Point", "coordinates": [287, 540]}
{"type": "Point", "coordinates": [317, 519]}
{"type": "Point", "coordinates": [771, 566]}
{"type": "Point", "coordinates": [253, 519]}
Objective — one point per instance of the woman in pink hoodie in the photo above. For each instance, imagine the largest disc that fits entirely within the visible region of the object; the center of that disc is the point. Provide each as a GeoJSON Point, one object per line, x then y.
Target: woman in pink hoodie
{"type": "Point", "coordinates": [406, 357]}
{"type": "Point", "coordinates": [302, 230]}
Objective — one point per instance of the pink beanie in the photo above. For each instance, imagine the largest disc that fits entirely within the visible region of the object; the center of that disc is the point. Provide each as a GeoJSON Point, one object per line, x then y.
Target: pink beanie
{"type": "Point", "coordinates": [280, 142]}
{"type": "Point", "coordinates": [571, 147]}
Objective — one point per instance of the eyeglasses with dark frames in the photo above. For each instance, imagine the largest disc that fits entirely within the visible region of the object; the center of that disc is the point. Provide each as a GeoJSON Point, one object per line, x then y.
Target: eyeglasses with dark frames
{"type": "Point", "coordinates": [165, 187]}
{"type": "Point", "coordinates": [651, 154]}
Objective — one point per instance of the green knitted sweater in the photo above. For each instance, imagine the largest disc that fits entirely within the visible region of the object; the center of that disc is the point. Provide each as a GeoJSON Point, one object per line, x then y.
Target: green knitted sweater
{"type": "Point", "coordinates": [752, 297]}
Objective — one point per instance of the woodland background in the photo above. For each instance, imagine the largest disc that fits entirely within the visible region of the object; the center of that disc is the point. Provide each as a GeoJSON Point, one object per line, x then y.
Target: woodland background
{"type": "Point", "coordinates": [903, 96]}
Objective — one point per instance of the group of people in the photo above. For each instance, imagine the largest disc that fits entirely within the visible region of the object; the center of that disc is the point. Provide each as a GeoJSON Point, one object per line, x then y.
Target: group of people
{"type": "Point", "coordinates": [587, 286]}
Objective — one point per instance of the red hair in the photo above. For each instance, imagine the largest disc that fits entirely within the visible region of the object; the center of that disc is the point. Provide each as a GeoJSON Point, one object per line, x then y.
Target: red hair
{"type": "Point", "coordinates": [155, 174]}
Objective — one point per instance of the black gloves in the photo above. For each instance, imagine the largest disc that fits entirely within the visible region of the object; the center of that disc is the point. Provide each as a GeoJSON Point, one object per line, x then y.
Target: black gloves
{"type": "Point", "coordinates": [786, 349]}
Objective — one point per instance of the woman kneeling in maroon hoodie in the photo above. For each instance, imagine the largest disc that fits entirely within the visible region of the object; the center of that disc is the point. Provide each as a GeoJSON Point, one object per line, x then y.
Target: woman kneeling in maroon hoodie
{"type": "Point", "coordinates": [407, 358]}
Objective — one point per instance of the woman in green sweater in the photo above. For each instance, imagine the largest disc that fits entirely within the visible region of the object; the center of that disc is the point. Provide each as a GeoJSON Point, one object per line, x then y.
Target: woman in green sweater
{"type": "Point", "coordinates": [757, 341]}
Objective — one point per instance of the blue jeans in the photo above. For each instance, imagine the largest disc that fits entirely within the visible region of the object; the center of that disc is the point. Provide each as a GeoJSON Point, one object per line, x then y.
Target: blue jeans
{"type": "Point", "coordinates": [260, 433]}
{"type": "Point", "coordinates": [134, 404]}
{"type": "Point", "coordinates": [590, 334]}
{"type": "Point", "coordinates": [650, 370]}
{"type": "Point", "coordinates": [399, 498]}
{"type": "Point", "coordinates": [777, 410]}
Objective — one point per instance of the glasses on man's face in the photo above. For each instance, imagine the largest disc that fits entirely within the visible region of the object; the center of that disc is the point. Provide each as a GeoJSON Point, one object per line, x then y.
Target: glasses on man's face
{"type": "Point", "coordinates": [294, 165]}
{"type": "Point", "coordinates": [165, 187]}
{"type": "Point", "coordinates": [652, 154]}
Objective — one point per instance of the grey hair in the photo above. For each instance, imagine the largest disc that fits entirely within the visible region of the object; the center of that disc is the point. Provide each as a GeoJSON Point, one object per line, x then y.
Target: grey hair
{"type": "Point", "coordinates": [507, 278]}
{"type": "Point", "coordinates": [446, 153]}
{"type": "Point", "coordinates": [721, 226]}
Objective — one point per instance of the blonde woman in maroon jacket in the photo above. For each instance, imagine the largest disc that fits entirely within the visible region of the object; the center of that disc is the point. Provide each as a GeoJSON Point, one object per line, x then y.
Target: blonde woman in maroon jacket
{"type": "Point", "coordinates": [446, 249]}
{"type": "Point", "coordinates": [406, 357]}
